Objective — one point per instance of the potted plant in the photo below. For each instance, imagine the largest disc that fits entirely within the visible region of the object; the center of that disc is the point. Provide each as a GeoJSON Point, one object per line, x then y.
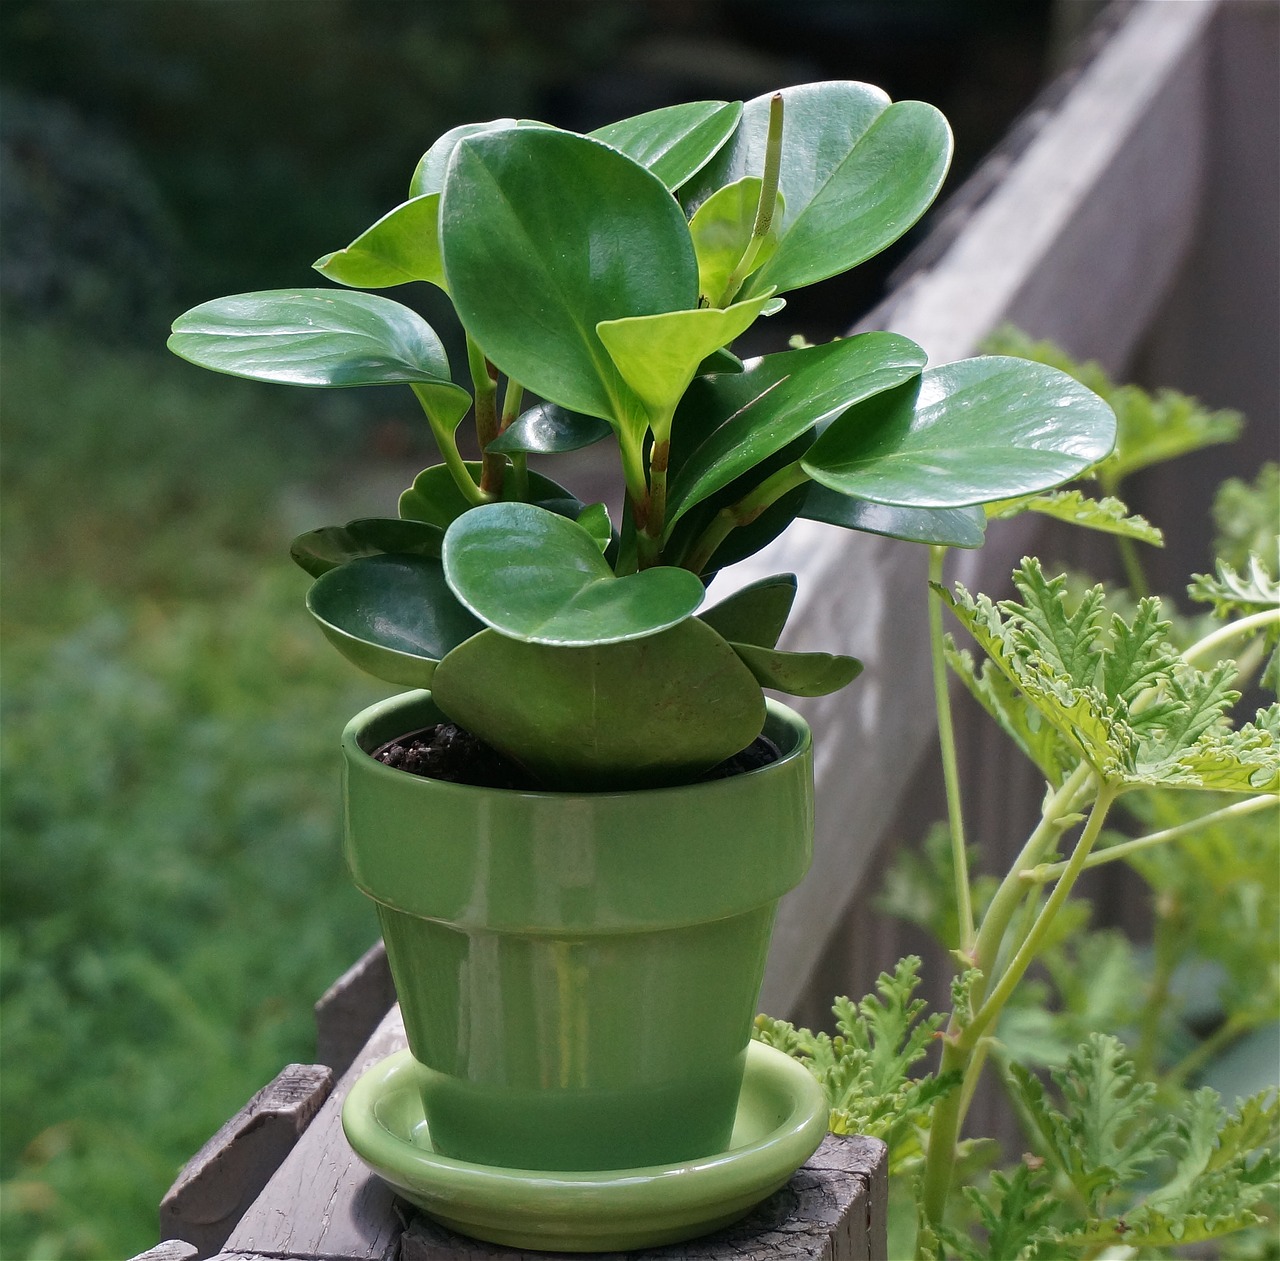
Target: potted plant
{"type": "Point", "coordinates": [597, 885]}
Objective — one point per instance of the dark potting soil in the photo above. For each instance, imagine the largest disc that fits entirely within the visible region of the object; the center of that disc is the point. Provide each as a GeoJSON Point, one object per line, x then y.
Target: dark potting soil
{"type": "Point", "coordinates": [448, 752]}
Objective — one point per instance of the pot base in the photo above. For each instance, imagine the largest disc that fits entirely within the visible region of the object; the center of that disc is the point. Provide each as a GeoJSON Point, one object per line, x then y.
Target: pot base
{"type": "Point", "coordinates": [781, 1119]}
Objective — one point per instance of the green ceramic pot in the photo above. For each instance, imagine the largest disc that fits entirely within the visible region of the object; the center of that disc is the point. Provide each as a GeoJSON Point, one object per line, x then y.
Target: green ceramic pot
{"type": "Point", "coordinates": [578, 972]}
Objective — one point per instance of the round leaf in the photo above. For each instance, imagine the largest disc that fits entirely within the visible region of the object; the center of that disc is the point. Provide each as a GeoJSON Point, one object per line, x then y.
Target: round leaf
{"type": "Point", "coordinates": [403, 245]}
{"type": "Point", "coordinates": [653, 711]}
{"type": "Point", "coordinates": [969, 432]}
{"type": "Point", "coordinates": [319, 551]}
{"type": "Point", "coordinates": [392, 616]}
{"type": "Point", "coordinates": [674, 142]}
{"type": "Point", "coordinates": [799, 673]}
{"type": "Point", "coordinates": [942, 527]}
{"type": "Point", "coordinates": [540, 578]}
{"type": "Point", "coordinates": [319, 337]}
{"type": "Point", "coordinates": [756, 614]}
{"type": "Point", "coordinates": [545, 234]}
{"type": "Point", "coordinates": [428, 176]}
{"type": "Point", "coordinates": [435, 498]}
{"type": "Point", "coordinates": [546, 429]}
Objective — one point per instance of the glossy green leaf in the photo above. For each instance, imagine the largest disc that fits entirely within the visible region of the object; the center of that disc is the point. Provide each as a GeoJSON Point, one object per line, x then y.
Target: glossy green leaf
{"type": "Point", "coordinates": [857, 172]}
{"type": "Point", "coordinates": [756, 614]}
{"type": "Point", "coordinates": [724, 360]}
{"type": "Point", "coordinates": [658, 355]}
{"type": "Point", "coordinates": [319, 551]}
{"type": "Point", "coordinates": [318, 337]}
{"type": "Point", "coordinates": [652, 711]}
{"type": "Point", "coordinates": [392, 616]}
{"type": "Point", "coordinates": [594, 518]}
{"type": "Point", "coordinates": [435, 498]}
{"type": "Point", "coordinates": [973, 431]}
{"type": "Point", "coordinates": [428, 176]}
{"type": "Point", "coordinates": [942, 527]}
{"type": "Point", "coordinates": [403, 245]}
{"type": "Point", "coordinates": [721, 231]}
{"type": "Point", "coordinates": [540, 578]}
{"type": "Point", "coordinates": [778, 398]}
{"type": "Point", "coordinates": [546, 429]}
{"type": "Point", "coordinates": [545, 234]}
{"type": "Point", "coordinates": [674, 142]}
{"type": "Point", "coordinates": [799, 673]}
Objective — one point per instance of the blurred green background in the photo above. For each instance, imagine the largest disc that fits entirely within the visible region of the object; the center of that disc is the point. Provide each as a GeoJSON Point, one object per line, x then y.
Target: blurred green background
{"type": "Point", "coordinates": [172, 898]}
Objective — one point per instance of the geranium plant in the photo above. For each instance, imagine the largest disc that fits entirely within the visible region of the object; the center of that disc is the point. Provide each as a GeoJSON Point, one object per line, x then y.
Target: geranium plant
{"type": "Point", "coordinates": [609, 275]}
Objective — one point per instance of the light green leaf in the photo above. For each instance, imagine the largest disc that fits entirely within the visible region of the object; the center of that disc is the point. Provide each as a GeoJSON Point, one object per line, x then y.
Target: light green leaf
{"type": "Point", "coordinates": [594, 518]}
{"type": "Point", "coordinates": [652, 711]}
{"type": "Point", "coordinates": [658, 355]}
{"type": "Point", "coordinates": [721, 231]}
{"type": "Point", "coordinates": [974, 431]}
{"type": "Point", "coordinates": [1235, 594]}
{"type": "Point", "coordinates": [319, 551]}
{"type": "Point", "coordinates": [545, 234]}
{"type": "Point", "coordinates": [1107, 515]}
{"type": "Point", "coordinates": [756, 614]}
{"type": "Point", "coordinates": [674, 142]}
{"type": "Point", "coordinates": [799, 673]}
{"type": "Point", "coordinates": [403, 245]}
{"type": "Point", "coordinates": [540, 578]}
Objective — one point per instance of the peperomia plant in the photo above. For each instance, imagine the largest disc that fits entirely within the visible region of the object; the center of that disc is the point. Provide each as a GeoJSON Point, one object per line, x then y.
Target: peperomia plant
{"type": "Point", "coordinates": [609, 274]}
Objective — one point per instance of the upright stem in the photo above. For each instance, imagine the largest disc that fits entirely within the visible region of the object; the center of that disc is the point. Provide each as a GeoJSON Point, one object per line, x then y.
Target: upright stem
{"type": "Point", "coordinates": [484, 381]}
{"type": "Point", "coordinates": [449, 452]}
{"type": "Point", "coordinates": [947, 743]}
{"type": "Point", "coordinates": [768, 200]}
{"type": "Point", "coordinates": [512, 397]}
{"type": "Point", "coordinates": [744, 512]}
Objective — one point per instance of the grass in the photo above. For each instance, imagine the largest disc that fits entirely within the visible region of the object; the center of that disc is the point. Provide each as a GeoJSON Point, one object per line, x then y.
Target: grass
{"type": "Point", "coordinates": [173, 897]}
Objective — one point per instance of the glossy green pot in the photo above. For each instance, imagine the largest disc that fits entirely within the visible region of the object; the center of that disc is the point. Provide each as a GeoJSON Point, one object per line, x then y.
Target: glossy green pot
{"type": "Point", "coordinates": [578, 972]}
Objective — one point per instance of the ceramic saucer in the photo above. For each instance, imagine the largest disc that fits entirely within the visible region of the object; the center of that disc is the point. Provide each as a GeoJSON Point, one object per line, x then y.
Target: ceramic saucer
{"type": "Point", "coordinates": [782, 1117]}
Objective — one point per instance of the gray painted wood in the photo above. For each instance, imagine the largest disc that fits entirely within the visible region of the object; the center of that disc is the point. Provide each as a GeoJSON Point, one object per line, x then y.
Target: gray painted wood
{"type": "Point", "coordinates": [322, 1202]}
{"type": "Point", "coordinates": [352, 1007]}
{"type": "Point", "coordinates": [169, 1250]}
{"type": "Point", "coordinates": [225, 1176]}
{"type": "Point", "coordinates": [831, 1210]}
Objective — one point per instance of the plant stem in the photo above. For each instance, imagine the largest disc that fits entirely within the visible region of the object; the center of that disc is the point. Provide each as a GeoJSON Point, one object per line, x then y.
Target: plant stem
{"type": "Point", "coordinates": [484, 381]}
{"type": "Point", "coordinates": [947, 743]}
{"type": "Point", "coordinates": [1045, 872]}
{"type": "Point", "coordinates": [1135, 576]}
{"type": "Point", "coordinates": [1209, 645]}
{"type": "Point", "coordinates": [1165, 951]}
{"type": "Point", "coordinates": [744, 512]}
{"type": "Point", "coordinates": [512, 397]}
{"type": "Point", "coordinates": [450, 454]}
{"type": "Point", "coordinates": [768, 199]}
{"type": "Point", "coordinates": [1226, 1033]}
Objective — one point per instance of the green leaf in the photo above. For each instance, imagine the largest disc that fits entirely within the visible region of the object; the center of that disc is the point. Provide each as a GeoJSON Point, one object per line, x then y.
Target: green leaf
{"type": "Point", "coordinates": [658, 355]}
{"type": "Point", "coordinates": [392, 616]}
{"type": "Point", "coordinates": [652, 711]}
{"type": "Point", "coordinates": [319, 551]}
{"type": "Point", "coordinates": [674, 142]}
{"type": "Point", "coordinates": [429, 175]}
{"type": "Point", "coordinates": [1108, 515]}
{"type": "Point", "coordinates": [942, 527]}
{"type": "Point", "coordinates": [318, 337]}
{"type": "Point", "coordinates": [546, 429]}
{"type": "Point", "coordinates": [403, 245]}
{"type": "Point", "coordinates": [1234, 594]}
{"type": "Point", "coordinates": [972, 431]}
{"type": "Point", "coordinates": [1247, 517]}
{"type": "Point", "coordinates": [1014, 1211]}
{"type": "Point", "coordinates": [721, 230]}
{"type": "Point", "coordinates": [799, 673]}
{"type": "Point", "coordinates": [756, 614]}
{"type": "Point", "coordinates": [856, 173]}
{"type": "Point", "coordinates": [546, 234]}
{"type": "Point", "coordinates": [594, 518]}
{"type": "Point", "coordinates": [541, 579]}
{"type": "Point", "coordinates": [753, 414]}
{"type": "Point", "coordinates": [435, 498]}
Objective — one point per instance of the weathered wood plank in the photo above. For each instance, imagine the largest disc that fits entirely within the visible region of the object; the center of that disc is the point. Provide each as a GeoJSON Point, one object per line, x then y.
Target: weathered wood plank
{"type": "Point", "coordinates": [352, 1007]}
{"type": "Point", "coordinates": [169, 1250]}
{"type": "Point", "coordinates": [225, 1176]}
{"type": "Point", "coordinates": [831, 1210]}
{"type": "Point", "coordinates": [322, 1203]}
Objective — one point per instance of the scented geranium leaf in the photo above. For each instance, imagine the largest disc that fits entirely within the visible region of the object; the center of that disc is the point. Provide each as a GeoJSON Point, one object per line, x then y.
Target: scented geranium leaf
{"type": "Point", "coordinates": [1109, 515]}
{"type": "Point", "coordinates": [942, 527]}
{"type": "Point", "coordinates": [779, 398]}
{"type": "Point", "coordinates": [540, 578]}
{"type": "Point", "coordinates": [722, 228]}
{"type": "Point", "coordinates": [1235, 594]}
{"type": "Point", "coordinates": [1013, 1212]}
{"type": "Point", "coordinates": [674, 142]}
{"type": "Point", "coordinates": [319, 551]}
{"type": "Point", "coordinates": [658, 355]}
{"type": "Point", "coordinates": [594, 518]}
{"type": "Point", "coordinates": [857, 171]}
{"type": "Point", "coordinates": [646, 712]}
{"type": "Point", "coordinates": [1243, 761]}
{"type": "Point", "coordinates": [546, 429]}
{"type": "Point", "coordinates": [973, 431]}
{"type": "Point", "coordinates": [392, 616]}
{"type": "Point", "coordinates": [403, 245]}
{"type": "Point", "coordinates": [435, 498]}
{"type": "Point", "coordinates": [799, 673]}
{"type": "Point", "coordinates": [1247, 517]}
{"type": "Point", "coordinates": [545, 234]}
{"type": "Point", "coordinates": [317, 337]}
{"type": "Point", "coordinates": [756, 614]}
